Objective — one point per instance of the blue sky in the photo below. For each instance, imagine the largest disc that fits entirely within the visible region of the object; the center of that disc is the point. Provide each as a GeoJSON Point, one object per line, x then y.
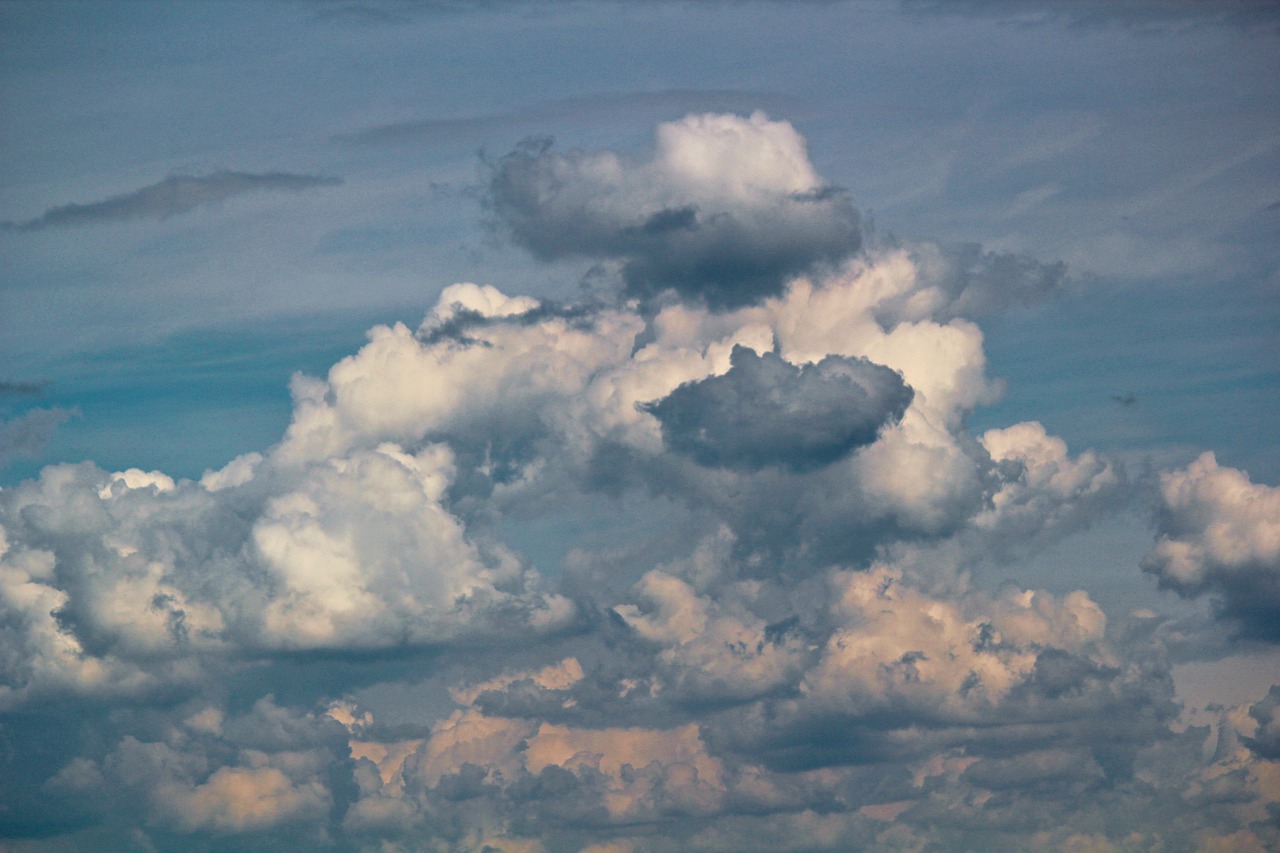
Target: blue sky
{"type": "Point", "coordinates": [205, 203]}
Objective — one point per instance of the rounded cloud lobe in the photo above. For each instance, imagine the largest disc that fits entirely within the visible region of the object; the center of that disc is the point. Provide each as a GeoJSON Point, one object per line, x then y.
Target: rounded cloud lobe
{"type": "Point", "coordinates": [726, 210]}
{"type": "Point", "coordinates": [1219, 534]}
{"type": "Point", "coordinates": [758, 631]}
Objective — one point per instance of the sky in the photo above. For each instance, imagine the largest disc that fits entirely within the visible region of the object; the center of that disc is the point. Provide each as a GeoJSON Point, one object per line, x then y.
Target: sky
{"type": "Point", "coordinates": [615, 426]}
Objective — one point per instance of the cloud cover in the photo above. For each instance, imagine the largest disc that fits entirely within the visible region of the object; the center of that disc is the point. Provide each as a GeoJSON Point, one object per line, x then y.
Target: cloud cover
{"type": "Point", "coordinates": [803, 663]}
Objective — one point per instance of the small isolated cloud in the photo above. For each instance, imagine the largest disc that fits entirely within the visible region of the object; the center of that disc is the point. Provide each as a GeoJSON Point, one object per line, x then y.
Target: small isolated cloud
{"type": "Point", "coordinates": [174, 195]}
{"type": "Point", "coordinates": [1126, 399]}
{"type": "Point", "coordinates": [1219, 535]}
{"type": "Point", "coordinates": [726, 211]}
{"type": "Point", "coordinates": [766, 411]}
{"type": "Point", "coordinates": [13, 388]}
{"type": "Point", "coordinates": [26, 434]}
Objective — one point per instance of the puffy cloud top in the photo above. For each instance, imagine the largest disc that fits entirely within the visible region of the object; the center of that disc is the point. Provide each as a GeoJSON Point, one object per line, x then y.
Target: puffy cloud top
{"type": "Point", "coordinates": [1219, 534]}
{"type": "Point", "coordinates": [727, 210]}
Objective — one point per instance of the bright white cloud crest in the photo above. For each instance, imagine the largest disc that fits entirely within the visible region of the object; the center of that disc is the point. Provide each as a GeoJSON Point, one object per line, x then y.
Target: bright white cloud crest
{"type": "Point", "coordinates": [777, 672]}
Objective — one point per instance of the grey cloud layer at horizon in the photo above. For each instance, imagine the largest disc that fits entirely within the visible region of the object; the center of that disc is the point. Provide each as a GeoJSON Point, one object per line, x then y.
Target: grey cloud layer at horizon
{"type": "Point", "coordinates": [725, 211]}
{"type": "Point", "coordinates": [759, 628]}
{"type": "Point", "coordinates": [171, 196]}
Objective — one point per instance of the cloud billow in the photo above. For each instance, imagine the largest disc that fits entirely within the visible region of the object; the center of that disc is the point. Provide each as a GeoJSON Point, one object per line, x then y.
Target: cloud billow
{"type": "Point", "coordinates": [727, 210]}
{"type": "Point", "coordinates": [761, 633]}
{"type": "Point", "coordinates": [1219, 535]}
{"type": "Point", "coordinates": [171, 196]}
{"type": "Point", "coordinates": [766, 411]}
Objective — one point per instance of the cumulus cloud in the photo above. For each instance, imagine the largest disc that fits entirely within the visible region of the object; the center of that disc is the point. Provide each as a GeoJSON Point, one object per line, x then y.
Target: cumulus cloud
{"type": "Point", "coordinates": [1218, 534]}
{"type": "Point", "coordinates": [726, 210]}
{"type": "Point", "coordinates": [171, 196]}
{"type": "Point", "coordinates": [890, 709]}
{"type": "Point", "coordinates": [207, 772]}
{"type": "Point", "coordinates": [126, 584]}
{"type": "Point", "coordinates": [760, 635]}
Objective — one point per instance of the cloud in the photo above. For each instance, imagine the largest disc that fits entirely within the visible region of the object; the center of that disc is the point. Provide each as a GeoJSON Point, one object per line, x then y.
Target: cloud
{"type": "Point", "coordinates": [671, 574]}
{"type": "Point", "coordinates": [130, 584]}
{"type": "Point", "coordinates": [26, 434]}
{"type": "Point", "coordinates": [727, 210]}
{"type": "Point", "coordinates": [765, 411]}
{"type": "Point", "coordinates": [1147, 15]}
{"type": "Point", "coordinates": [599, 104]}
{"type": "Point", "coordinates": [21, 388]}
{"type": "Point", "coordinates": [171, 196]}
{"type": "Point", "coordinates": [966, 281]}
{"type": "Point", "coordinates": [208, 772]}
{"type": "Point", "coordinates": [1218, 534]}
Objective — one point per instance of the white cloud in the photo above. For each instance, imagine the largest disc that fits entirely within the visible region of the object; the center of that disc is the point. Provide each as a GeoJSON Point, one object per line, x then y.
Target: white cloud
{"type": "Point", "coordinates": [1219, 534]}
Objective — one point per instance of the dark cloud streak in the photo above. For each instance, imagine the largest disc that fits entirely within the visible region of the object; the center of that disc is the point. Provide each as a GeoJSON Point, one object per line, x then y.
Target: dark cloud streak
{"type": "Point", "coordinates": [23, 388]}
{"type": "Point", "coordinates": [174, 195]}
{"type": "Point", "coordinates": [592, 106]}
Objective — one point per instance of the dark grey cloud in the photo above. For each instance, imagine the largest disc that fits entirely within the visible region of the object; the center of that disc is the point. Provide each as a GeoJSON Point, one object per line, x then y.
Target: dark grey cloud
{"type": "Point", "coordinates": [27, 433]}
{"type": "Point", "coordinates": [766, 411]}
{"type": "Point", "coordinates": [21, 388]}
{"type": "Point", "coordinates": [1266, 740]}
{"type": "Point", "coordinates": [685, 220]}
{"type": "Point", "coordinates": [174, 195]}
